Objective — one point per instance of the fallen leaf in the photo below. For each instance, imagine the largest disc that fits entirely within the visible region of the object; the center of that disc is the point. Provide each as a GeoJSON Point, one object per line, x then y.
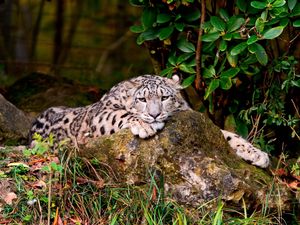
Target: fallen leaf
{"type": "Point", "coordinates": [31, 202]}
{"type": "Point", "coordinates": [55, 222]}
{"type": "Point", "coordinates": [37, 166]}
{"type": "Point", "coordinates": [4, 188]}
{"type": "Point", "coordinates": [18, 164]}
{"type": "Point", "coordinates": [99, 183]}
{"type": "Point", "coordinates": [76, 220]}
{"type": "Point", "coordinates": [9, 197]}
{"type": "Point", "coordinates": [20, 148]}
{"type": "Point", "coordinates": [60, 222]}
{"type": "Point", "coordinates": [81, 180]}
{"type": "Point", "coordinates": [280, 172]}
{"type": "Point", "coordinates": [55, 159]}
{"type": "Point", "coordinates": [2, 221]}
{"type": "Point", "coordinates": [32, 162]}
{"type": "Point", "coordinates": [296, 177]}
{"type": "Point", "coordinates": [39, 184]}
{"type": "Point", "coordinates": [294, 185]}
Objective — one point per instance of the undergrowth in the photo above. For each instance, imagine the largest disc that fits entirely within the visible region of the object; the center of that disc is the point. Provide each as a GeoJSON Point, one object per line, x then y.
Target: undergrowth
{"type": "Point", "coordinates": [62, 188]}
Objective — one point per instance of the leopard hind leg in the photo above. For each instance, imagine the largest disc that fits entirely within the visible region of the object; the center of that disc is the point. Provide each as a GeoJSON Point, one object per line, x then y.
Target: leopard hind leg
{"type": "Point", "coordinates": [246, 150]}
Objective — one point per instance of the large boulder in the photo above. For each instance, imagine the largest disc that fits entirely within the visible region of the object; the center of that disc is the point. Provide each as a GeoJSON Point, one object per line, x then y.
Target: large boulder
{"type": "Point", "coordinates": [14, 124]}
{"type": "Point", "coordinates": [195, 161]}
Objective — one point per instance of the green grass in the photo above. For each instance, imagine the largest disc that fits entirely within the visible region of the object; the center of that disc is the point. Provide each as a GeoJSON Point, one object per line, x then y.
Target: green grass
{"type": "Point", "coordinates": [73, 190]}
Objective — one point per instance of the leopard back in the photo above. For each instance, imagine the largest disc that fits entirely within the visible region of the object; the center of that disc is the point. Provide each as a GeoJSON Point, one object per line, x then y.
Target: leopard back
{"type": "Point", "coordinates": [142, 104]}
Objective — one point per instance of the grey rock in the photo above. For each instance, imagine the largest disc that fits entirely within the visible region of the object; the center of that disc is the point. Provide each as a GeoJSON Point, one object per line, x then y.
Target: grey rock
{"type": "Point", "coordinates": [195, 160]}
{"type": "Point", "coordinates": [14, 124]}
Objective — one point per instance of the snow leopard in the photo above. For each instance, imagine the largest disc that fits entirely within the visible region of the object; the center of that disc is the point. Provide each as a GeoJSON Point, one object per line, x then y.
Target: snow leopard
{"type": "Point", "coordinates": [143, 104]}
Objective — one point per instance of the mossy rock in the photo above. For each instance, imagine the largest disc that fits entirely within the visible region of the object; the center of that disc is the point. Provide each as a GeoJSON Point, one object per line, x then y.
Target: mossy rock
{"type": "Point", "coordinates": [14, 124]}
{"type": "Point", "coordinates": [196, 163]}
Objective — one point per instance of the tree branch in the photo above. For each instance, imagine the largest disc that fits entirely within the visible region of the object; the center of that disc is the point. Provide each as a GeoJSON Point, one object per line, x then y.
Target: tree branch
{"type": "Point", "coordinates": [199, 47]}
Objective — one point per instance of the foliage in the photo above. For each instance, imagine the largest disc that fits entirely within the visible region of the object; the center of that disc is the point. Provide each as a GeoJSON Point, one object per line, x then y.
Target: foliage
{"type": "Point", "coordinates": [247, 73]}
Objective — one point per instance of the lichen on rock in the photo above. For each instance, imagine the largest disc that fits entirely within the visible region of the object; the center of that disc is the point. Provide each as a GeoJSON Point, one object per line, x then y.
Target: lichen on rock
{"type": "Point", "coordinates": [193, 157]}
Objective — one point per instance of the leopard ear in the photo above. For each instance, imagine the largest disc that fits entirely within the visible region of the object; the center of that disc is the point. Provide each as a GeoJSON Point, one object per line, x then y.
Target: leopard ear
{"type": "Point", "coordinates": [176, 79]}
{"type": "Point", "coordinates": [130, 87]}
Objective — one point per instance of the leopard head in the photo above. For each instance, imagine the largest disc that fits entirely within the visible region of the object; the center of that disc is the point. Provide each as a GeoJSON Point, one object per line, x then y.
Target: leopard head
{"type": "Point", "coordinates": [155, 98]}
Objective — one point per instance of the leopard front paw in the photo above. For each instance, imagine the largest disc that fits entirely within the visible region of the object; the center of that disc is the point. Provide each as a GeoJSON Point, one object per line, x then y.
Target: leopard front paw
{"type": "Point", "coordinates": [158, 126]}
{"type": "Point", "coordinates": [145, 130]}
{"type": "Point", "coordinates": [142, 130]}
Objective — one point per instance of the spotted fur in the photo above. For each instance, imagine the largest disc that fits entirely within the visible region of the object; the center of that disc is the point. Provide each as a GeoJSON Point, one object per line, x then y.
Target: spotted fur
{"type": "Point", "coordinates": [246, 150]}
{"type": "Point", "coordinates": [141, 104]}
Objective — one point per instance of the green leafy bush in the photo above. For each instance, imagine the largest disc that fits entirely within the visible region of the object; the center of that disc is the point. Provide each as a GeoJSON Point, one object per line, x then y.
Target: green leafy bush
{"type": "Point", "coordinates": [239, 56]}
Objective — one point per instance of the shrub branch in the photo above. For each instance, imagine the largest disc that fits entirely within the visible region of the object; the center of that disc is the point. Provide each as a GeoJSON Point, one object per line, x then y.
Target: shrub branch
{"type": "Point", "coordinates": [199, 47]}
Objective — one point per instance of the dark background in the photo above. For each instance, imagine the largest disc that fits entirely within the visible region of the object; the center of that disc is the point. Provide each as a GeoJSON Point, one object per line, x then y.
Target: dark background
{"type": "Point", "coordinates": [87, 41]}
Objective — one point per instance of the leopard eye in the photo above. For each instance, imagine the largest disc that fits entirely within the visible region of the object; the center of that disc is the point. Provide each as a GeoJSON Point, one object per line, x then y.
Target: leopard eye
{"type": "Point", "coordinates": [164, 98]}
{"type": "Point", "coordinates": [142, 99]}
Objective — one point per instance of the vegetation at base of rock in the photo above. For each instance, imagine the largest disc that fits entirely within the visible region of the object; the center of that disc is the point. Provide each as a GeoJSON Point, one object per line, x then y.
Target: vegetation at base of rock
{"type": "Point", "coordinates": [74, 190]}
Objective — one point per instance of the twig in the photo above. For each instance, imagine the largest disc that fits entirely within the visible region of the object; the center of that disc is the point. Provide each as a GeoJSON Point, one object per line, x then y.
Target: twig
{"type": "Point", "coordinates": [291, 41]}
{"type": "Point", "coordinates": [41, 211]}
{"type": "Point", "coordinates": [49, 197]}
{"type": "Point", "coordinates": [95, 172]}
{"type": "Point", "coordinates": [253, 133]}
{"type": "Point", "coordinates": [296, 109]}
{"type": "Point", "coordinates": [199, 47]}
{"type": "Point", "coordinates": [293, 129]}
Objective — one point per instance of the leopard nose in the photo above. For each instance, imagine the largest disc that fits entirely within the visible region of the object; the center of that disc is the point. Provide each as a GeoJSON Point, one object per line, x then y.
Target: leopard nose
{"type": "Point", "coordinates": [154, 115]}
